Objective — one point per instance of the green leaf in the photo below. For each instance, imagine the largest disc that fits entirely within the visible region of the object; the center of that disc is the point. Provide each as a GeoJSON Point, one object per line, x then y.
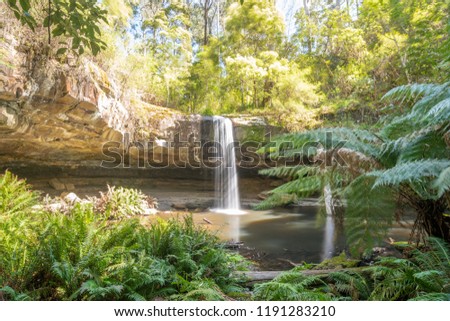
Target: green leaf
{"type": "Point", "coordinates": [76, 42]}
{"type": "Point", "coordinates": [25, 4]}
{"type": "Point", "coordinates": [61, 51]}
{"type": "Point", "coordinates": [12, 3]}
{"type": "Point", "coordinates": [58, 31]}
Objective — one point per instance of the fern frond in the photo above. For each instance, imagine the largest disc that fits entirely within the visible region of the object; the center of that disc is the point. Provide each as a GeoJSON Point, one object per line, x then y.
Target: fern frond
{"type": "Point", "coordinates": [275, 291]}
{"type": "Point", "coordinates": [409, 172]}
{"type": "Point", "coordinates": [439, 113]}
{"type": "Point", "coordinates": [288, 171]}
{"type": "Point", "coordinates": [303, 187]}
{"type": "Point", "coordinates": [351, 283]}
{"type": "Point", "coordinates": [442, 183]}
{"type": "Point", "coordinates": [406, 93]}
{"type": "Point", "coordinates": [276, 200]}
{"type": "Point", "coordinates": [369, 213]}
{"type": "Point", "coordinates": [432, 297]}
{"type": "Point", "coordinates": [430, 110]}
{"type": "Point", "coordinates": [427, 145]}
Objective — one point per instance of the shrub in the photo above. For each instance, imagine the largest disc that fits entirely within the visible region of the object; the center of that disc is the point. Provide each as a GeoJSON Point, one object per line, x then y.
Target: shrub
{"type": "Point", "coordinates": [119, 203]}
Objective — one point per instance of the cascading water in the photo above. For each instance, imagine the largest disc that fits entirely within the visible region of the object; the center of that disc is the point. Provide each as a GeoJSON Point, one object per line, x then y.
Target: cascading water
{"type": "Point", "coordinates": [226, 178]}
{"type": "Point", "coordinates": [328, 239]}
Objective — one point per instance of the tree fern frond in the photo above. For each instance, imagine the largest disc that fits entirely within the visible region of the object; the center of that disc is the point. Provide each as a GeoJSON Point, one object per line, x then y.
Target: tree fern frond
{"type": "Point", "coordinates": [276, 200]}
{"type": "Point", "coordinates": [303, 187]}
{"type": "Point", "coordinates": [288, 171]}
{"type": "Point", "coordinates": [428, 145]}
{"type": "Point", "coordinates": [413, 91]}
{"type": "Point", "coordinates": [416, 171]}
{"type": "Point", "coordinates": [369, 213]}
{"type": "Point", "coordinates": [439, 113]}
{"type": "Point", "coordinates": [325, 138]}
{"type": "Point", "coordinates": [442, 182]}
{"type": "Point", "coordinates": [434, 96]}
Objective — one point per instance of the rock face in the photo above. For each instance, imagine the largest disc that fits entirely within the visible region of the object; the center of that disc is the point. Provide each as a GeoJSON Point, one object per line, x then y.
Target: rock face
{"type": "Point", "coordinates": [52, 114]}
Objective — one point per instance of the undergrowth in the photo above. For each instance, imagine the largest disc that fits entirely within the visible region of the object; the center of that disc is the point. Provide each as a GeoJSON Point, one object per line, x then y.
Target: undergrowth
{"type": "Point", "coordinates": [84, 255]}
{"type": "Point", "coordinates": [423, 276]}
{"type": "Point", "coordinates": [81, 254]}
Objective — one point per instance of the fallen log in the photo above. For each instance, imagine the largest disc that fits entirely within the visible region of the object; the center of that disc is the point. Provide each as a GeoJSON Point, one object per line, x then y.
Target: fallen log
{"type": "Point", "coordinates": [259, 276]}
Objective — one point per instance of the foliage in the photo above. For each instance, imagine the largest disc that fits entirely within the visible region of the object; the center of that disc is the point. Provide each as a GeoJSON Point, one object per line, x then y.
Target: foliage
{"type": "Point", "coordinates": [293, 286]}
{"type": "Point", "coordinates": [14, 195]}
{"type": "Point", "coordinates": [425, 276]}
{"type": "Point", "coordinates": [406, 161]}
{"type": "Point", "coordinates": [80, 255]}
{"type": "Point", "coordinates": [120, 203]}
{"type": "Point", "coordinates": [75, 23]}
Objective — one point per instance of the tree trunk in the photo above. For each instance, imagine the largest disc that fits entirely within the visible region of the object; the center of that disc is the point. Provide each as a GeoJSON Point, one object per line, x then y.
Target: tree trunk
{"type": "Point", "coordinates": [431, 220]}
{"type": "Point", "coordinates": [206, 7]}
{"type": "Point", "coordinates": [49, 21]}
{"type": "Point", "coordinates": [205, 23]}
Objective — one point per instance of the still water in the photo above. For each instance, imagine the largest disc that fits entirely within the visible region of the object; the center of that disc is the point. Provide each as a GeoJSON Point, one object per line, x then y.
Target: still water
{"type": "Point", "coordinates": [283, 236]}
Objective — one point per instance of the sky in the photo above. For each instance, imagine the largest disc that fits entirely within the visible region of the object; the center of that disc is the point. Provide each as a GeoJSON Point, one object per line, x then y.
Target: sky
{"type": "Point", "coordinates": [288, 9]}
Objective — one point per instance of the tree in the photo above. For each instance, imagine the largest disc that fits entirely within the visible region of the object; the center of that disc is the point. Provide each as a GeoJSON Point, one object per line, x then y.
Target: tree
{"type": "Point", "coordinates": [406, 163]}
{"type": "Point", "coordinates": [167, 40]}
{"type": "Point", "coordinates": [75, 22]}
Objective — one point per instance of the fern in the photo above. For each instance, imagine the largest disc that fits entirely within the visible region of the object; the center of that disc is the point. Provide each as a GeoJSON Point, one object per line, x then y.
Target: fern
{"type": "Point", "coordinates": [429, 109]}
{"type": "Point", "coordinates": [369, 214]}
{"type": "Point", "coordinates": [303, 187]}
{"type": "Point", "coordinates": [442, 183]}
{"type": "Point", "coordinates": [416, 173]}
{"type": "Point", "coordinates": [275, 200]}
{"type": "Point", "coordinates": [15, 195]}
{"type": "Point", "coordinates": [293, 286]}
{"type": "Point", "coordinates": [432, 297]}
{"type": "Point", "coordinates": [352, 284]}
{"type": "Point", "coordinates": [427, 145]}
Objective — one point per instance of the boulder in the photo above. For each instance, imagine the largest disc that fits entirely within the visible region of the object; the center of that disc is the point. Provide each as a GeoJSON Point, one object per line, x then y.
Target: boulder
{"type": "Point", "coordinates": [56, 184]}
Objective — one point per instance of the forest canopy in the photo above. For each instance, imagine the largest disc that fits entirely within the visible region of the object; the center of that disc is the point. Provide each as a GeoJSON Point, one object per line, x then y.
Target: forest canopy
{"type": "Point", "coordinates": [225, 56]}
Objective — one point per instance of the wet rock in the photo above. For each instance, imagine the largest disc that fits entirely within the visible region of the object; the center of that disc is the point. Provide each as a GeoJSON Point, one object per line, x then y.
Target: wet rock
{"type": "Point", "coordinates": [197, 205]}
{"type": "Point", "coordinates": [70, 198]}
{"type": "Point", "coordinates": [276, 183]}
{"type": "Point", "coordinates": [263, 195]}
{"type": "Point", "coordinates": [150, 211]}
{"type": "Point", "coordinates": [57, 184]}
{"type": "Point", "coordinates": [179, 206]}
{"type": "Point", "coordinates": [70, 187]}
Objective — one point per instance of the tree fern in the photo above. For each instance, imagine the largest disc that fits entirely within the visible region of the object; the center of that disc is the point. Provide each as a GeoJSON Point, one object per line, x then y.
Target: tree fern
{"type": "Point", "coordinates": [275, 200]}
{"type": "Point", "coordinates": [416, 173]}
{"type": "Point", "coordinates": [410, 92]}
{"type": "Point", "coordinates": [369, 214]}
{"type": "Point", "coordinates": [442, 183]}
{"type": "Point", "coordinates": [429, 144]}
{"type": "Point", "coordinates": [430, 107]}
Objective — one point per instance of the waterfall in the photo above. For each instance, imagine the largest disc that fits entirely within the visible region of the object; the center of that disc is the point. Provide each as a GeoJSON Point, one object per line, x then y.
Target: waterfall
{"type": "Point", "coordinates": [328, 238]}
{"type": "Point", "coordinates": [226, 178]}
